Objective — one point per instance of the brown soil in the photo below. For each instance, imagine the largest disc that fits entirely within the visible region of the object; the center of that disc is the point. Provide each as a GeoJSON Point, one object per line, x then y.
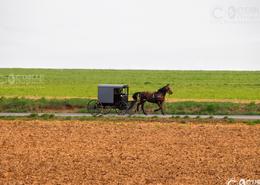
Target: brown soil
{"type": "Point", "coordinates": [95, 152]}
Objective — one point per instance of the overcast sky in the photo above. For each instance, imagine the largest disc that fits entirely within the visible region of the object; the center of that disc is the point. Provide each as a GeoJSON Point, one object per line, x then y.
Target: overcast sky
{"type": "Point", "coordinates": [130, 34]}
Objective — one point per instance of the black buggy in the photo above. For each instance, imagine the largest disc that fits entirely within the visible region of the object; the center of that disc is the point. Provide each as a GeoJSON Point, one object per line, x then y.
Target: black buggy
{"type": "Point", "coordinates": [111, 98]}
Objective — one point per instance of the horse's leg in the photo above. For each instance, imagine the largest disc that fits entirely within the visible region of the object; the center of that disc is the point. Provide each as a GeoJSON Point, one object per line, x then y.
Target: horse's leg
{"type": "Point", "coordinates": [138, 105]}
{"type": "Point", "coordinates": [161, 107]}
{"type": "Point", "coordinates": [143, 108]}
{"type": "Point", "coordinates": [158, 108]}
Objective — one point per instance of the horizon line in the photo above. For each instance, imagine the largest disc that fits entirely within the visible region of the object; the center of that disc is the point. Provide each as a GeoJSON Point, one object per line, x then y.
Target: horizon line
{"type": "Point", "coordinates": [137, 69]}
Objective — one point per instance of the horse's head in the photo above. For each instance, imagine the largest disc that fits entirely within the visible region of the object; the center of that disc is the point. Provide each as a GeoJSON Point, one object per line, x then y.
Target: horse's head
{"type": "Point", "coordinates": [166, 89]}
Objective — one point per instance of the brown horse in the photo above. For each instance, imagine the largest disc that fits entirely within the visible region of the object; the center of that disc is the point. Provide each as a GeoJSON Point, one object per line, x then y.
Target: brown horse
{"type": "Point", "coordinates": [157, 97]}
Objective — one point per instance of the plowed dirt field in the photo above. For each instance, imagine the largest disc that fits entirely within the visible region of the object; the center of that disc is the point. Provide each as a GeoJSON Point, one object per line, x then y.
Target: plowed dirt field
{"type": "Point", "coordinates": [98, 152]}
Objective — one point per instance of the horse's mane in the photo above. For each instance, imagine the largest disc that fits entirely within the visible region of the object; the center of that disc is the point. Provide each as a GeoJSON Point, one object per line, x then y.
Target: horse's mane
{"type": "Point", "coordinates": [161, 89]}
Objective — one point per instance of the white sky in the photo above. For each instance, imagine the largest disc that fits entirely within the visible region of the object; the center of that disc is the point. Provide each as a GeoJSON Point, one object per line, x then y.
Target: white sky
{"type": "Point", "coordinates": [131, 34]}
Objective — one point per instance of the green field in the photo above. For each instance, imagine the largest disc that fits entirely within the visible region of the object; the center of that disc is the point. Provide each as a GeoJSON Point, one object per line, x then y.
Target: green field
{"type": "Point", "coordinates": [83, 83]}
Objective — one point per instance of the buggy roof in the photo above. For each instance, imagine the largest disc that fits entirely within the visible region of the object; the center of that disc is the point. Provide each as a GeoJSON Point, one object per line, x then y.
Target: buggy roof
{"type": "Point", "coordinates": [113, 85]}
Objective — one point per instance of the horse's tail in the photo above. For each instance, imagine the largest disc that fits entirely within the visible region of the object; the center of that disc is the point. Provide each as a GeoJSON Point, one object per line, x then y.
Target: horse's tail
{"type": "Point", "coordinates": [135, 96]}
{"type": "Point", "coordinates": [135, 99]}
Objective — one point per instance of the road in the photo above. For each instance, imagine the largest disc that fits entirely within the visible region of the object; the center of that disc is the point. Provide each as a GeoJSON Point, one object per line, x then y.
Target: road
{"type": "Point", "coordinates": [239, 117]}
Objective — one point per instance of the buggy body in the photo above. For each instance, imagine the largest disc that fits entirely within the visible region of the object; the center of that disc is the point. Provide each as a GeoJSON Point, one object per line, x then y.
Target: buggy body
{"type": "Point", "coordinates": [111, 97]}
{"type": "Point", "coordinates": [112, 94]}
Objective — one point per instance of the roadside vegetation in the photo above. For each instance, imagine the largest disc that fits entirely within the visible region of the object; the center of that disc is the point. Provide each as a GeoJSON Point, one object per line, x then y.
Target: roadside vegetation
{"type": "Point", "coordinates": [79, 105]}
{"type": "Point", "coordinates": [174, 119]}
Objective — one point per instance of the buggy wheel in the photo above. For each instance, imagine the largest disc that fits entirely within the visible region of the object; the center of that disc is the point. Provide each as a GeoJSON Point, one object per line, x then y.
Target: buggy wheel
{"type": "Point", "coordinates": [122, 108]}
{"type": "Point", "coordinates": [94, 107]}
